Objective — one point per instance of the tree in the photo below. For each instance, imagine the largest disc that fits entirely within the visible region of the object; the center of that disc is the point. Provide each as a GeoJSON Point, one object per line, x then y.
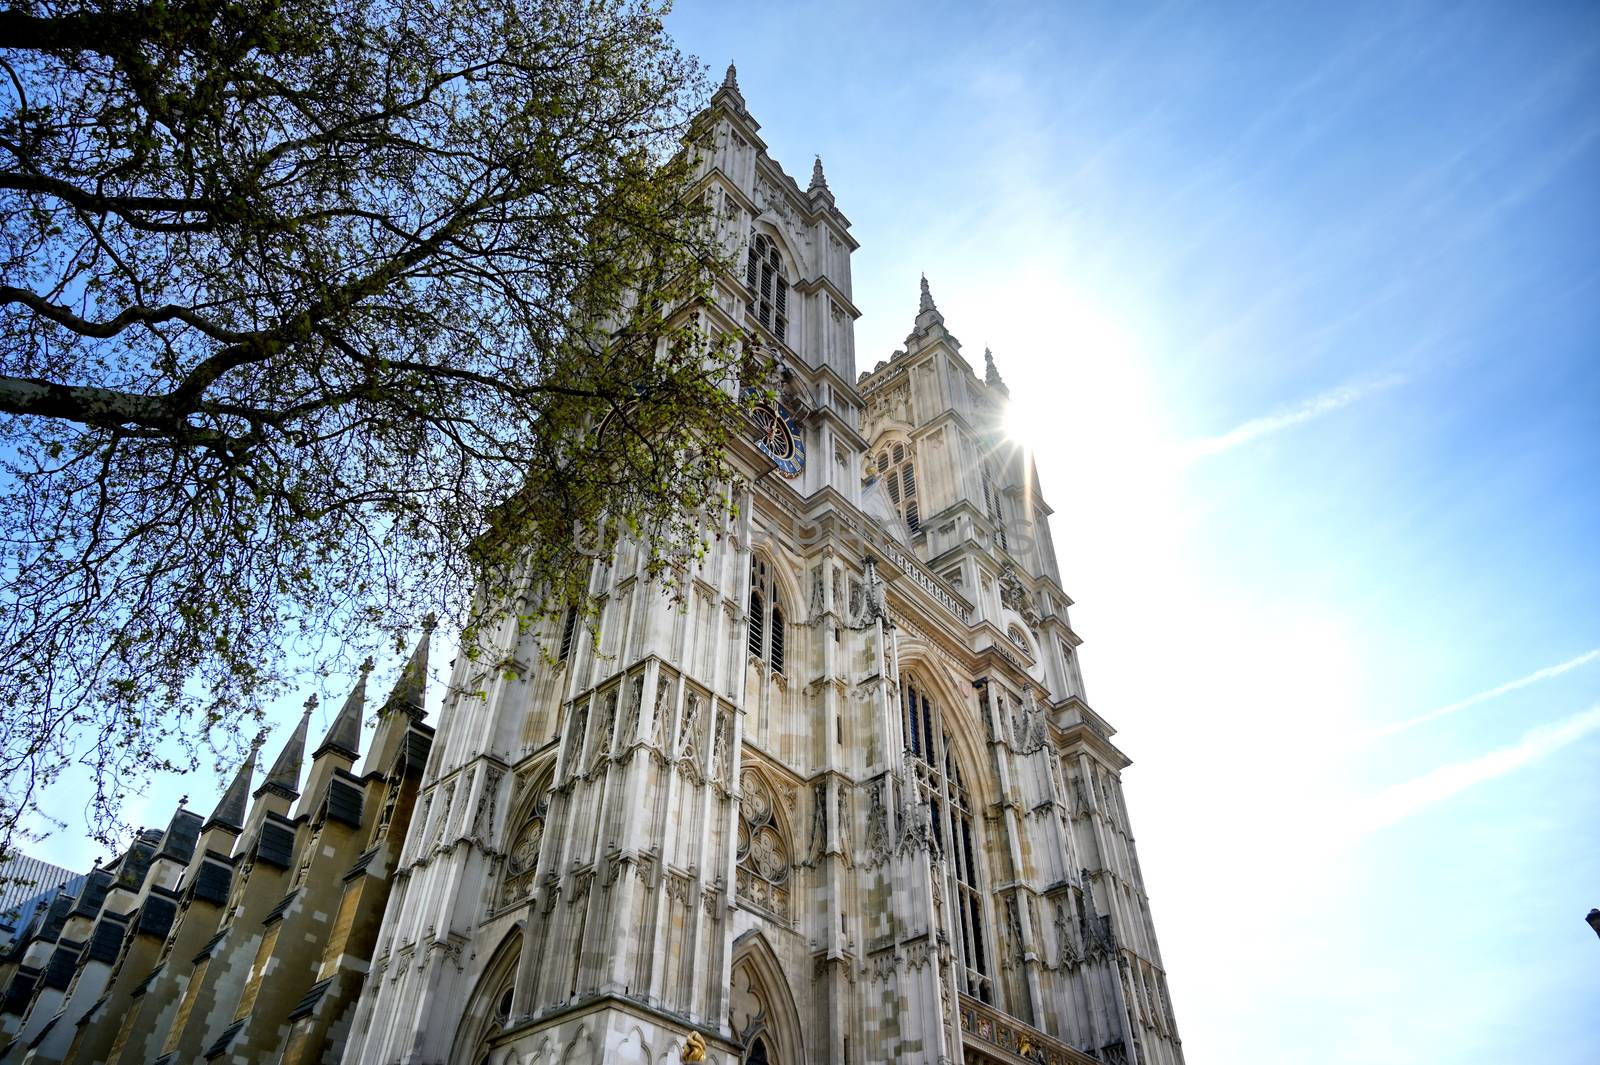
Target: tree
{"type": "Point", "coordinates": [319, 314]}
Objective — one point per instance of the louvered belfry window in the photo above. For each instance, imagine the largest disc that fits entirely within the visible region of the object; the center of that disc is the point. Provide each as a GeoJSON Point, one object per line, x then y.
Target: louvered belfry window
{"type": "Point", "coordinates": [766, 633]}
{"type": "Point", "coordinates": [899, 472]}
{"type": "Point", "coordinates": [769, 287]}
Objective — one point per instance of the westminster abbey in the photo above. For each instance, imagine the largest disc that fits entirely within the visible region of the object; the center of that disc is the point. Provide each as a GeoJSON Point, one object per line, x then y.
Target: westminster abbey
{"type": "Point", "coordinates": [845, 802]}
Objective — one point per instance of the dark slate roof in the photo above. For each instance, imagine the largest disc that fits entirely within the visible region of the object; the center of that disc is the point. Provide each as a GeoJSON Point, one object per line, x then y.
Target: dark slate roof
{"type": "Point", "coordinates": [212, 882]}
{"type": "Point", "coordinates": [183, 833]}
{"type": "Point", "coordinates": [309, 1000]}
{"type": "Point", "coordinates": [281, 908]}
{"type": "Point", "coordinates": [56, 915]}
{"type": "Point", "coordinates": [211, 945]}
{"type": "Point", "coordinates": [62, 964]}
{"type": "Point", "coordinates": [361, 864]}
{"type": "Point", "coordinates": [144, 985]}
{"type": "Point", "coordinates": [419, 740]}
{"type": "Point", "coordinates": [88, 1014]}
{"type": "Point", "coordinates": [105, 942]}
{"type": "Point", "coordinates": [275, 846]}
{"type": "Point", "coordinates": [20, 991]}
{"type": "Point", "coordinates": [39, 1036]}
{"type": "Point", "coordinates": [344, 799]}
{"type": "Point", "coordinates": [221, 1045]}
{"type": "Point", "coordinates": [93, 895]}
{"type": "Point", "coordinates": [136, 861]}
{"type": "Point", "coordinates": [156, 916]}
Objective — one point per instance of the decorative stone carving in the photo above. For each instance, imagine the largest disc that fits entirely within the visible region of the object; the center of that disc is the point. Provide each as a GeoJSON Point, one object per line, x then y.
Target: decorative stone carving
{"type": "Point", "coordinates": [819, 824]}
{"type": "Point", "coordinates": [658, 715]}
{"type": "Point", "coordinates": [604, 734]}
{"type": "Point", "coordinates": [630, 720]}
{"type": "Point", "coordinates": [761, 851]}
{"type": "Point", "coordinates": [1014, 595]}
{"type": "Point", "coordinates": [523, 859]}
{"type": "Point", "coordinates": [879, 846]}
{"type": "Point", "coordinates": [576, 726]}
{"type": "Point", "coordinates": [689, 739]}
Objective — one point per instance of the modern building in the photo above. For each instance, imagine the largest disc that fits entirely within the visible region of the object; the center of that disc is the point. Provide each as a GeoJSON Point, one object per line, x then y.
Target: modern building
{"type": "Point", "coordinates": [27, 885]}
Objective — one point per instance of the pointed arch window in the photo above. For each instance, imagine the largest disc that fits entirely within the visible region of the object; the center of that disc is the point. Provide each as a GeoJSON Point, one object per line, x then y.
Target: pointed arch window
{"type": "Point", "coordinates": [522, 856]}
{"type": "Point", "coordinates": [897, 467]}
{"type": "Point", "coordinates": [768, 284]}
{"type": "Point", "coordinates": [942, 785]}
{"type": "Point", "coordinates": [762, 852]}
{"type": "Point", "coordinates": [992, 507]}
{"type": "Point", "coordinates": [766, 633]}
{"type": "Point", "coordinates": [569, 629]}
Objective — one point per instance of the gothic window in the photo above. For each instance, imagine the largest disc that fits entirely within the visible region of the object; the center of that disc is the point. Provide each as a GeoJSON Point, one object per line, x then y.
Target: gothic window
{"type": "Point", "coordinates": [943, 786]}
{"type": "Point", "coordinates": [769, 288]}
{"type": "Point", "coordinates": [522, 857]}
{"type": "Point", "coordinates": [758, 1053]}
{"type": "Point", "coordinates": [766, 633]}
{"type": "Point", "coordinates": [489, 1010]}
{"type": "Point", "coordinates": [899, 475]}
{"type": "Point", "coordinates": [992, 507]}
{"type": "Point", "coordinates": [764, 866]}
{"type": "Point", "coordinates": [569, 628]}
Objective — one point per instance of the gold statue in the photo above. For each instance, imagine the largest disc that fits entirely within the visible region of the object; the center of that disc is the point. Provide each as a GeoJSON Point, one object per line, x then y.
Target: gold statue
{"type": "Point", "coordinates": [694, 1048]}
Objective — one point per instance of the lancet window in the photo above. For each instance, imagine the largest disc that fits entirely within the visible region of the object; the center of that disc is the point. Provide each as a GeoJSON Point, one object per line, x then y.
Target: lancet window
{"type": "Point", "coordinates": [942, 785]}
{"type": "Point", "coordinates": [992, 507]}
{"type": "Point", "coordinates": [769, 286]}
{"type": "Point", "coordinates": [899, 473]}
{"type": "Point", "coordinates": [767, 633]}
{"type": "Point", "coordinates": [569, 629]}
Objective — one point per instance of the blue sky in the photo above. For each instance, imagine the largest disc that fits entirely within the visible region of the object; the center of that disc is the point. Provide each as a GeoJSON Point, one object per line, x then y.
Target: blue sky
{"type": "Point", "coordinates": [1301, 310]}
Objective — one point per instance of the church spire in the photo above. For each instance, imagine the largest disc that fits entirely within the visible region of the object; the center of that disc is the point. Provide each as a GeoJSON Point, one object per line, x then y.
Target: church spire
{"type": "Point", "coordinates": [284, 776]}
{"type": "Point", "coordinates": [730, 80]}
{"type": "Point", "coordinates": [230, 809]}
{"type": "Point", "coordinates": [818, 181]}
{"type": "Point", "coordinates": [928, 314]}
{"type": "Point", "coordinates": [344, 735]}
{"type": "Point", "coordinates": [991, 376]}
{"type": "Point", "coordinates": [410, 691]}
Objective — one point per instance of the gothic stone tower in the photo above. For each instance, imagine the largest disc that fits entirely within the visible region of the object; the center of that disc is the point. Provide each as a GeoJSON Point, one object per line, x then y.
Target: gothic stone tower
{"type": "Point", "coordinates": [843, 803]}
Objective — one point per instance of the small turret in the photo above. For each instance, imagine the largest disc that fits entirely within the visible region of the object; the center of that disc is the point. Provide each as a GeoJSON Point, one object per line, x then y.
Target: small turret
{"type": "Point", "coordinates": [341, 746]}
{"type": "Point", "coordinates": [344, 735]}
{"type": "Point", "coordinates": [283, 779]}
{"type": "Point", "coordinates": [405, 705]}
{"type": "Point", "coordinates": [231, 809]}
{"type": "Point", "coordinates": [410, 691]}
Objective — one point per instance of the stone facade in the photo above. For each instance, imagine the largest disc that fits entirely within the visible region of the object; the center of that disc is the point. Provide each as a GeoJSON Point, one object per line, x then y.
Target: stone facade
{"type": "Point", "coordinates": [843, 800]}
{"type": "Point", "coordinates": [243, 937]}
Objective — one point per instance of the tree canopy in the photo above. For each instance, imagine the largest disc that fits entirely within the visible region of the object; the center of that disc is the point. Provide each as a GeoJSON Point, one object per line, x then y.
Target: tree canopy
{"type": "Point", "coordinates": [318, 315]}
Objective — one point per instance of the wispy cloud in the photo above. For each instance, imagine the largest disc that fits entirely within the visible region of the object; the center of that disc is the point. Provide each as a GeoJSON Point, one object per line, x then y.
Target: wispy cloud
{"type": "Point", "coordinates": [1396, 803]}
{"type": "Point", "coordinates": [1493, 693]}
{"type": "Point", "coordinates": [1309, 410]}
